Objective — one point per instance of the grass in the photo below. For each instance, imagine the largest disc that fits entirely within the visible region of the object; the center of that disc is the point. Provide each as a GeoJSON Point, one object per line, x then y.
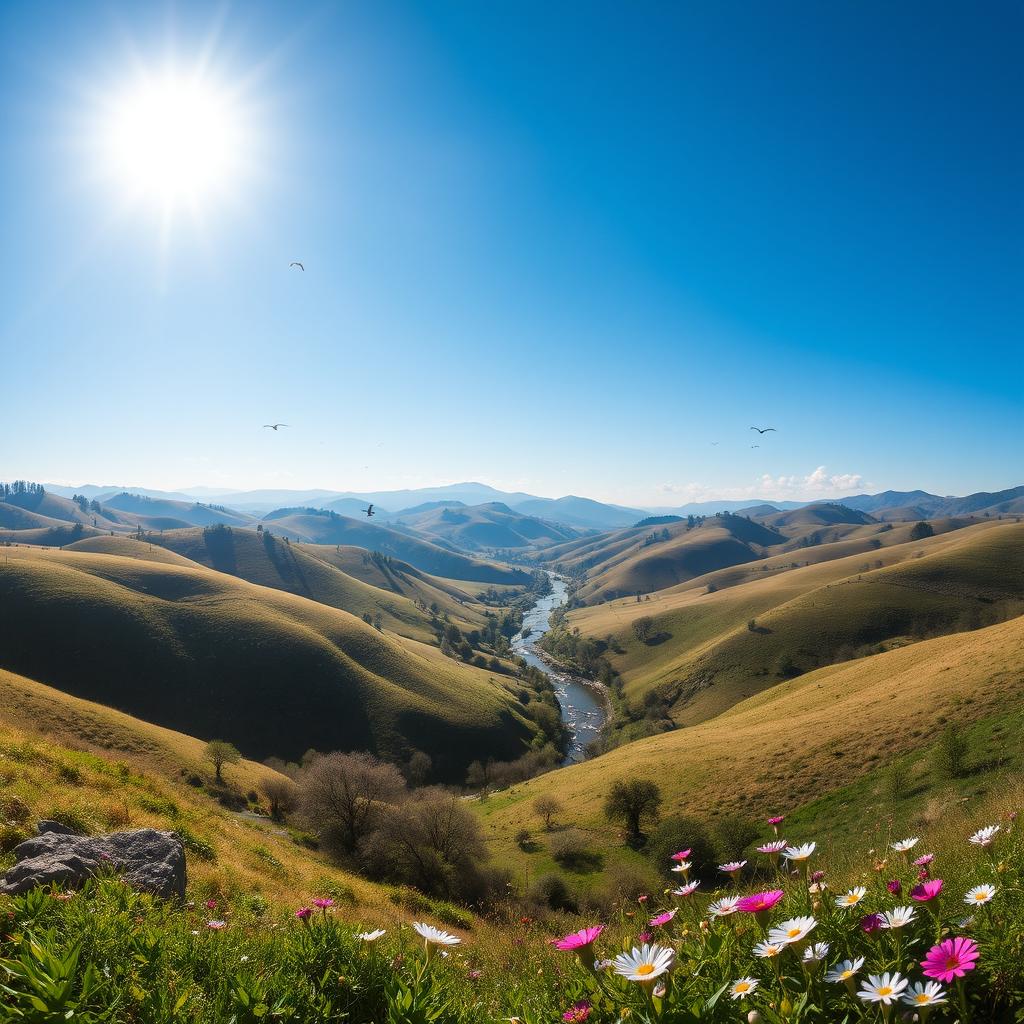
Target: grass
{"type": "Point", "coordinates": [486, 527]}
{"type": "Point", "coordinates": [275, 673]}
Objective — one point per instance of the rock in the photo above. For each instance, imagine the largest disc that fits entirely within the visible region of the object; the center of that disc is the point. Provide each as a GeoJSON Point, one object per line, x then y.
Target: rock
{"type": "Point", "coordinates": [147, 860]}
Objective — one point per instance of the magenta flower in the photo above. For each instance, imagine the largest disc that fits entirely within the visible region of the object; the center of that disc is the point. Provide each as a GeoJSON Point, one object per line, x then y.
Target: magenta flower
{"type": "Point", "coordinates": [211, 904]}
{"type": "Point", "coordinates": [817, 876]}
{"type": "Point", "coordinates": [870, 923]}
{"type": "Point", "coordinates": [577, 1013]}
{"type": "Point", "coordinates": [323, 902]}
{"type": "Point", "coordinates": [581, 941]}
{"type": "Point", "coordinates": [895, 886]}
{"type": "Point", "coordinates": [924, 860]}
{"type": "Point", "coordinates": [761, 902]}
{"type": "Point", "coordinates": [475, 975]}
{"type": "Point", "coordinates": [777, 820]}
{"type": "Point", "coordinates": [681, 855]}
{"type": "Point", "coordinates": [926, 890]}
{"type": "Point", "coordinates": [950, 959]}
{"type": "Point", "coordinates": [304, 913]}
{"type": "Point", "coordinates": [657, 922]}
{"type": "Point", "coordinates": [642, 899]}
{"type": "Point", "coordinates": [644, 937]}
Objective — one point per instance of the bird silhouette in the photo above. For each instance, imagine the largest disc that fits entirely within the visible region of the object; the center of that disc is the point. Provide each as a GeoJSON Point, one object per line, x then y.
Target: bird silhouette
{"type": "Point", "coordinates": [296, 263]}
{"type": "Point", "coordinates": [755, 446]}
{"type": "Point", "coordinates": [714, 444]}
{"type": "Point", "coordinates": [274, 426]}
{"type": "Point", "coordinates": [764, 431]}
{"type": "Point", "coordinates": [369, 511]}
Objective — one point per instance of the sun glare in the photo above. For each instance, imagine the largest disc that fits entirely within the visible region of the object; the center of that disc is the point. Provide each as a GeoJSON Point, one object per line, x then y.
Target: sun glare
{"type": "Point", "coordinates": [172, 140]}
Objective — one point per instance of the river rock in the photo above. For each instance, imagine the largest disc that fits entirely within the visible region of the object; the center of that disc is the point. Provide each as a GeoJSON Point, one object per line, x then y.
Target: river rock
{"type": "Point", "coordinates": [146, 859]}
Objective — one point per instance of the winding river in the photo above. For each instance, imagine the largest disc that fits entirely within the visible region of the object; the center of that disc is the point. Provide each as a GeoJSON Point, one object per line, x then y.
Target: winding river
{"type": "Point", "coordinates": [583, 710]}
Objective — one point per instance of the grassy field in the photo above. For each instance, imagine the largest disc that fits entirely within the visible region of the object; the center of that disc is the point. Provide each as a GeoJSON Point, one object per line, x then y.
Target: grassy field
{"type": "Point", "coordinates": [705, 651]}
{"type": "Point", "coordinates": [196, 650]}
{"type": "Point", "coordinates": [791, 746]}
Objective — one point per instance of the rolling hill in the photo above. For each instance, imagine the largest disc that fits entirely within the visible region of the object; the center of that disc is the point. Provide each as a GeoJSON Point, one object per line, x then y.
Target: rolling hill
{"type": "Point", "coordinates": [180, 513]}
{"type": "Point", "coordinates": [195, 650]}
{"type": "Point", "coordinates": [484, 527]}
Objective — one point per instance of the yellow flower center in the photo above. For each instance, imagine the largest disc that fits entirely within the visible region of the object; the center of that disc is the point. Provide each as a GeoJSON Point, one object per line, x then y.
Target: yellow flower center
{"type": "Point", "coordinates": [846, 975]}
{"type": "Point", "coordinates": [980, 897]}
{"type": "Point", "coordinates": [742, 986]}
{"type": "Point", "coordinates": [885, 990]}
{"type": "Point", "coordinates": [645, 969]}
{"type": "Point", "coordinates": [793, 932]}
{"type": "Point", "coordinates": [922, 998]}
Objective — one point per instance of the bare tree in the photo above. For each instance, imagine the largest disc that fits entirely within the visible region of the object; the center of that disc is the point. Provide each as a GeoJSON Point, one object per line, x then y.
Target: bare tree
{"type": "Point", "coordinates": [547, 807]}
{"type": "Point", "coordinates": [282, 795]}
{"type": "Point", "coordinates": [343, 795]}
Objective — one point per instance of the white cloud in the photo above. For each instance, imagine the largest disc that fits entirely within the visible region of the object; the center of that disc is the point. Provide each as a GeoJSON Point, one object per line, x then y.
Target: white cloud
{"type": "Point", "coordinates": [818, 484]}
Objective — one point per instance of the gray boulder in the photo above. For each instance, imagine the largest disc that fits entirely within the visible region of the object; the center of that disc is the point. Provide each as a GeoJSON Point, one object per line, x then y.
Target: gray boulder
{"type": "Point", "coordinates": [147, 860]}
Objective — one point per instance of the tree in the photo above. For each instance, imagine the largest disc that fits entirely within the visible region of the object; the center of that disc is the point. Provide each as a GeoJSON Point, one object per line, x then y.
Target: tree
{"type": "Point", "coordinates": [220, 753]}
{"type": "Point", "coordinates": [631, 802]}
{"type": "Point", "coordinates": [921, 530]}
{"type": "Point", "coordinates": [950, 756]}
{"type": "Point", "coordinates": [642, 628]}
{"type": "Point", "coordinates": [282, 795]}
{"type": "Point", "coordinates": [343, 796]}
{"type": "Point", "coordinates": [419, 768]}
{"type": "Point", "coordinates": [547, 807]}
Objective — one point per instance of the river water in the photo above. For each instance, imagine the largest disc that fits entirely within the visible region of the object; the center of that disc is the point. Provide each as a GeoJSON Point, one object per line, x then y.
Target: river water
{"type": "Point", "coordinates": [582, 709]}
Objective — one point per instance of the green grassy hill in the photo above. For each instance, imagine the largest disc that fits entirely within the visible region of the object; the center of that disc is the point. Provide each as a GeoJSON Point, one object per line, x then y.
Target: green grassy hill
{"type": "Point", "coordinates": [485, 527]}
{"type": "Point", "coordinates": [320, 527]}
{"type": "Point", "coordinates": [198, 651]}
{"type": "Point", "coordinates": [181, 513]}
{"type": "Point", "coordinates": [704, 651]}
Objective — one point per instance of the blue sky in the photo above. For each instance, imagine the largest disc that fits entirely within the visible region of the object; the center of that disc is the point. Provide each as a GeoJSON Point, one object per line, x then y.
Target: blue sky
{"type": "Point", "coordinates": [556, 248]}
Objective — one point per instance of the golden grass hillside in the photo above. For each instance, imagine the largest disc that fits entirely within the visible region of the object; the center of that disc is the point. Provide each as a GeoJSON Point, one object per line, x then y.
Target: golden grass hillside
{"type": "Point", "coordinates": [485, 527]}
{"type": "Point", "coordinates": [790, 745]}
{"type": "Point", "coordinates": [196, 650]}
{"type": "Point", "coordinates": [706, 651]}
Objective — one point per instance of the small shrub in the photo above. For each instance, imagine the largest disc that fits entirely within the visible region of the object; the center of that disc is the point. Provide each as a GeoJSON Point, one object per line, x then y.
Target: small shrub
{"type": "Point", "coordinates": [950, 755]}
{"type": "Point", "coordinates": [77, 819]}
{"type": "Point", "coordinates": [69, 775]}
{"type": "Point", "coordinates": [11, 835]}
{"type": "Point", "coordinates": [572, 850]}
{"type": "Point", "coordinates": [554, 892]}
{"type": "Point", "coordinates": [524, 840]}
{"type": "Point", "coordinates": [13, 808]}
{"type": "Point", "coordinates": [200, 847]}
{"type": "Point", "coordinates": [733, 834]}
{"type": "Point", "coordinates": [682, 833]}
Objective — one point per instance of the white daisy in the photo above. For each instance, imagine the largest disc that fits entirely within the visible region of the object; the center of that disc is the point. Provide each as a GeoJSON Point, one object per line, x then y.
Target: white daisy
{"type": "Point", "coordinates": [926, 993]}
{"type": "Point", "coordinates": [799, 853]}
{"type": "Point", "coordinates": [434, 936]}
{"type": "Point", "coordinates": [372, 936]}
{"type": "Point", "coordinates": [724, 907]}
{"type": "Point", "coordinates": [683, 867]}
{"type": "Point", "coordinates": [743, 987]}
{"type": "Point", "coordinates": [845, 970]}
{"type": "Point", "coordinates": [984, 836]}
{"type": "Point", "coordinates": [904, 845]}
{"type": "Point", "coordinates": [853, 897]}
{"type": "Point", "coordinates": [776, 846]}
{"type": "Point", "coordinates": [644, 964]}
{"type": "Point", "coordinates": [899, 917]}
{"type": "Point", "coordinates": [764, 950]}
{"type": "Point", "coordinates": [813, 955]}
{"type": "Point", "coordinates": [686, 890]}
{"type": "Point", "coordinates": [794, 930]}
{"type": "Point", "coordinates": [732, 867]}
{"type": "Point", "coordinates": [884, 989]}
{"type": "Point", "coordinates": [980, 894]}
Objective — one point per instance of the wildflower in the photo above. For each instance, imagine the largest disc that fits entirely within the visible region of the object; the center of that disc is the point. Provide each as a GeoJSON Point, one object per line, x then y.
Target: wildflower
{"type": "Point", "coordinates": [765, 950]}
{"type": "Point", "coordinates": [776, 821]}
{"type": "Point", "coordinates": [434, 936]}
{"type": "Point", "coordinates": [686, 890]}
{"type": "Point", "coordinates": [644, 937]}
{"type": "Point", "coordinates": [371, 936]}
{"type": "Point", "coordinates": [926, 890]}
{"type": "Point", "coordinates": [743, 987]}
{"type": "Point", "coordinates": [870, 923]}
{"type": "Point", "coordinates": [602, 965]}
{"type": "Point", "coordinates": [304, 913]}
{"type": "Point", "coordinates": [794, 930]}
{"type": "Point", "coordinates": [950, 959]}
{"type": "Point", "coordinates": [984, 837]}
{"type": "Point", "coordinates": [853, 897]}
{"type": "Point", "coordinates": [813, 955]}
{"type": "Point", "coordinates": [577, 1013]}
{"type": "Point", "coordinates": [895, 886]}
{"type": "Point", "coordinates": [662, 919]}
{"type": "Point", "coordinates": [683, 868]}
{"type": "Point", "coordinates": [216, 925]}
{"type": "Point", "coordinates": [845, 970]}
{"type": "Point", "coordinates": [211, 904]}
{"type": "Point", "coordinates": [323, 902]}
{"type": "Point", "coordinates": [644, 964]}
{"type": "Point", "coordinates": [63, 897]}
{"type": "Point", "coordinates": [817, 877]}
{"type": "Point", "coordinates": [924, 860]}
{"type": "Point", "coordinates": [581, 942]}
{"type": "Point", "coordinates": [243, 959]}
{"type": "Point", "coordinates": [884, 989]}
{"type": "Point", "coordinates": [980, 894]}
{"type": "Point", "coordinates": [733, 868]}
{"type": "Point", "coordinates": [777, 846]}
{"type": "Point", "coordinates": [799, 854]}
{"type": "Point", "coordinates": [724, 907]}
{"type": "Point", "coordinates": [905, 845]}
{"type": "Point", "coordinates": [924, 995]}
{"type": "Point", "coordinates": [899, 917]}
{"type": "Point", "coordinates": [760, 902]}
{"type": "Point", "coordinates": [642, 899]}
{"type": "Point", "coordinates": [475, 975]}
{"type": "Point", "coordinates": [681, 855]}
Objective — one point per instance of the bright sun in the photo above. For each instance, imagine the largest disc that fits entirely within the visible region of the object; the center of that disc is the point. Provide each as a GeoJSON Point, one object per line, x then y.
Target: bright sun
{"type": "Point", "coordinates": [172, 140]}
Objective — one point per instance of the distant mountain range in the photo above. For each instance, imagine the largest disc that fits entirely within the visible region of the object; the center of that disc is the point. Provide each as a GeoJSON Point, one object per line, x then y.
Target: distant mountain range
{"type": "Point", "coordinates": [570, 510]}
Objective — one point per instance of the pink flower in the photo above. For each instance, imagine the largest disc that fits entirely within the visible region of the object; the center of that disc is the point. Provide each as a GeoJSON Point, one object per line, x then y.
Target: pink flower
{"type": "Point", "coordinates": [950, 959]}
{"type": "Point", "coordinates": [657, 922]}
{"type": "Point", "coordinates": [895, 886]}
{"type": "Point", "coordinates": [924, 860]}
{"type": "Point", "coordinates": [475, 975]}
{"type": "Point", "coordinates": [870, 923]}
{"type": "Point", "coordinates": [211, 904]}
{"type": "Point", "coordinates": [926, 890]}
{"type": "Point", "coordinates": [579, 941]}
{"type": "Point", "coordinates": [323, 902]}
{"type": "Point", "coordinates": [644, 937]}
{"type": "Point", "coordinates": [760, 902]}
{"type": "Point", "coordinates": [775, 847]}
{"type": "Point", "coordinates": [777, 820]}
{"type": "Point", "coordinates": [642, 899]}
{"type": "Point", "coordinates": [577, 1013]}
{"type": "Point", "coordinates": [304, 913]}
{"type": "Point", "coordinates": [817, 876]}
{"type": "Point", "coordinates": [216, 925]}
{"type": "Point", "coordinates": [681, 855]}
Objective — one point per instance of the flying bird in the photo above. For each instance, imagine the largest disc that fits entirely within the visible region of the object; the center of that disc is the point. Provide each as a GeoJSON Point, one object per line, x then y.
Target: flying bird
{"type": "Point", "coordinates": [714, 443]}
{"type": "Point", "coordinates": [765, 431]}
{"type": "Point", "coordinates": [755, 446]}
{"type": "Point", "coordinates": [369, 511]}
{"type": "Point", "coordinates": [296, 263]}
{"type": "Point", "coordinates": [274, 426]}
